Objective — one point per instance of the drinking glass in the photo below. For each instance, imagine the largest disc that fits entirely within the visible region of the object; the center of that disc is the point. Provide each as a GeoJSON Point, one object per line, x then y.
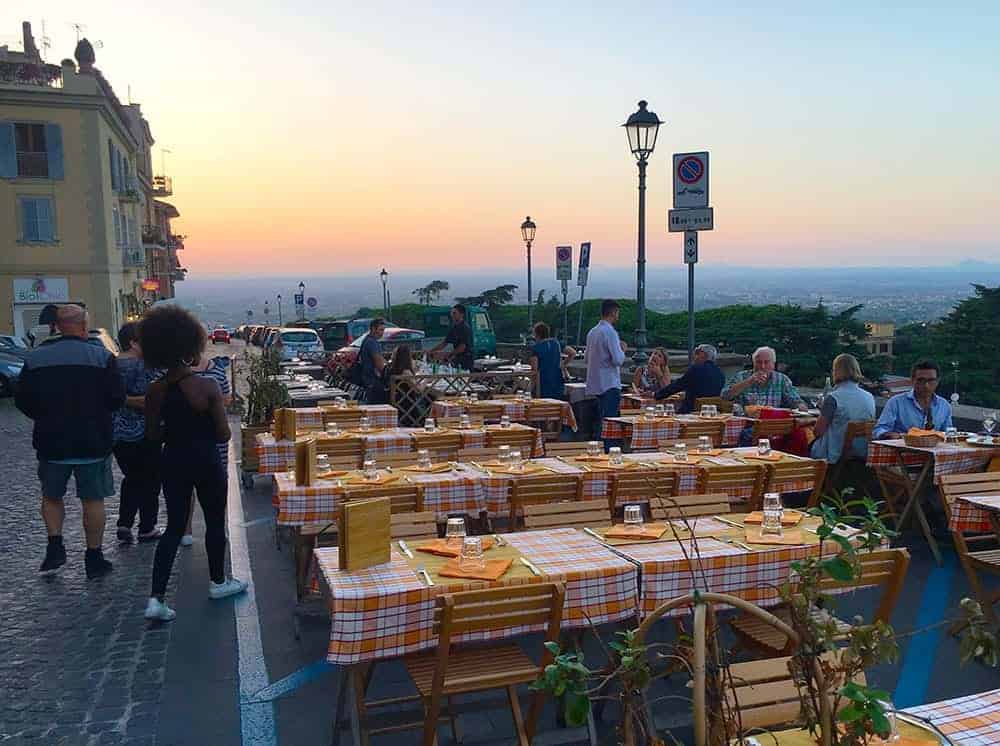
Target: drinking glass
{"type": "Point", "coordinates": [471, 557]}
{"type": "Point", "coordinates": [669, 410]}
{"type": "Point", "coordinates": [595, 448]}
{"type": "Point", "coordinates": [704, 444]}
{"type": "Point", "coordinates": [503, 454]}
{"type": "Point", "coordinates": [504, 421]}
{"type": "Point", "coordinates": [333, 429]}
{"type": "Point", "coordinates": [951, 434]}
{"type": "Point", "coordinates": [365, 423]}
{"type": "Point", "coordinates": [370, 469]}
{"type": "Point", "coordinates": [990, 422]}
{"type": "Point", "coordinates": [322, 463]}
{"type": "Point", "coordinates": [515, 459]}
{"type": "Point", "coordinates": [615, 456]}
{"type": "Point", "coordinates": [713, 410]}
{"type": "Point", "coordinates": [763, 446]}
{"type": "Point", "coordinates": [424, 458]}
{"type": "Point", "coordinates": [771, 523]}
{"type": "Point", "coordinates": [650, 413]}
{"type": "Point", "coordinates": [681, 452]}
{"type": "Point", "coordinates": [291, 473]}
{"type": "Point", "coordinates": [429, 425]}
{"type": "Point", "coordinates": [659, 410]}
{"type": "Point", "coordinates": [633, 517]}
{"type": "Point", "coordinates": [706, 410]}
{"type": "Point", "coordinates": [454, 531]}
{"type": "Point", "coordinates": [466, 421]}
{"type": "Point", "coordinates": [340, 403]}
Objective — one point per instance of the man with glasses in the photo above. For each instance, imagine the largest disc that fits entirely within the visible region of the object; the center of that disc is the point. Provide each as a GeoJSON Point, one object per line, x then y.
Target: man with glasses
{"type": "Point", "coordinates": [919, 407]}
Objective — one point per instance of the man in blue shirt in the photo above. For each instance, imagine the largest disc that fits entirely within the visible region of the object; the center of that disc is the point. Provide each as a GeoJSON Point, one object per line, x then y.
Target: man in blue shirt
{"type": "Point", "coordinates": [702, 379]}
{"type": "Point", "coordinates": [919, 407]}
{"type": "Point", "coordinates": [604, 355]}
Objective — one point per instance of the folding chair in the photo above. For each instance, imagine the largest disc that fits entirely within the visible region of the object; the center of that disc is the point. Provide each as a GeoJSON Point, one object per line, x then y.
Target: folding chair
{"type": "Point", "coordinates": [573, 514]}
{"type": "Point", "coordinates": [795, 470]}
{"type": "Point", "coordinates": [855, 430]}
{"type": "Point", "coordinates": [688, 506]}
{"type": "Point", "coordinates": [714, 429]}
{"type": "Point", "coordinates": [731, 480]}
{"type": "Point", "coordinates": [453, 669]}
{"type": "Point", "coordinates": [546, 416]}
{"type": "Point", "coordinates": [549, 488]}
{"type": "Point", "coordinates": [974, 560]}
{"type": "Point", "coordinates": [341, 449]}
{"type": "Point", "coordinates": [565, 448]}
{"type": "Point", "coordinates": [442, 442]}
{"type": "Point", "coordinates": [414, 526]}
{"type": "Point", "coordinates": [348, 418]}
{"type": "Point", "coordinates": [477, 454]}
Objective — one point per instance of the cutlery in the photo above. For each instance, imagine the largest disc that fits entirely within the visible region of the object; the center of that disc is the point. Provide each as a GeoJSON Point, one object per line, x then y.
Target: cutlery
{"type": "Point", "coordinates": [405, 549]}
{"type": "Point", "coordinates": [427, 578]}
{"type": "Point", "coordinates": [594, 534]}
{"type": "Point", "coordinates": [501, 542]}
{"type": "Point", "coordinates": [726, 520]}
{"type": "Point", "coordinates": [527, 563]}
{"type": "Point", "coordinates": [739, 544]}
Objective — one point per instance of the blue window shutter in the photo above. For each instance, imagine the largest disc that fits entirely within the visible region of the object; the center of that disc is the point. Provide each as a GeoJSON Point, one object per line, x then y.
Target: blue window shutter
{"type": "Point", "coordinates": [43, 218]}
{"type": "Point", "coordinates": [8, 152]}
{"type": "Point", "coordinates": [29, 220]}
{"type": "Point", "coordinates": [54, 146]}
{"type": "Point", "coordinates": [111, 165]}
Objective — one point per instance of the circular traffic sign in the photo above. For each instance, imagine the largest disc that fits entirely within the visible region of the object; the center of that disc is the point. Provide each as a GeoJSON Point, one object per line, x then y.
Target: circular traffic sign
{"type": "Point", "coordinates": [690, 169]}
{"type": "Point", "coordinates": [564, 253]}
{"type": "Point", "coordinates": [312, 302]}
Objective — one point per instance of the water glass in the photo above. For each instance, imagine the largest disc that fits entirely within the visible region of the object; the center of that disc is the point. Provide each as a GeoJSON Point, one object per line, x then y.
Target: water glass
{"type": "Point", "coordinates": [595, 448]}
{"type": "Point", "coordinates": [466, 421]}
{"type": "Point", "coordinates": [340, 403]}
{"type": "Point", "coordinates": [704, 444]}
{"type": "Point", "coordinates": [990, 422]}
{"type": "Point", "coordinates": [633, 517]}
{"type": "Point", "coordinates": [471, 557]}
{"type": "Point", "coordinates": [650, 413]}
{"type": "Point", "coordinates": [951, 434]}
{"type": "Point", "coordinates": [333, 429]}
{"type": "Point", "coordinates": [291, 473]}
{"type": "Point", "coordinates": [504, 421]}
{"type": "Point", "coordinates": [669, 410]}
{"type": "Point", "coordinates": [503, 454]}
{"type": "Point", "coordinates": [365, 423]}
{"type": "Point", "coordinates": [706, 410]}
{"type": "Point", "coordinates": [424, 458]}
{"type": "Point", "coordinates": [454, 531]}
{"type": "Point", "coordinates": [763, 446]}
{"type": "Point", "coordinates": [322, 463]}
{"type": "Point", "coordinates": [370, 469]}
{"type": "Point", "coordinates": [615, 456]}
{"type": "Point", "coordinates": [681, 452]}
{"type": "Point", "coordinates": [429, 425]}
{"type": "Point", "coordinates": [771, 523]}
{"type": "Point", "coordinates": [713, 410]}
{"type": "Point", "coordinates": [515, 459]}
{"type": "Point", "coordinates": [737, 409]}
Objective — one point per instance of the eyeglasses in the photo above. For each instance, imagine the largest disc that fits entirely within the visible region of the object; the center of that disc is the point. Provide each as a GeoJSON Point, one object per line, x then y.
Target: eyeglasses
{"type": "Point", "coordinates": [926, 381]}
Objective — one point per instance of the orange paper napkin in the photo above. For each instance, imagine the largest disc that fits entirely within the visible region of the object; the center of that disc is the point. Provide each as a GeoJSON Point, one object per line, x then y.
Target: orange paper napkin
{"type": "Point", "coordinates": [442, 548]}
{"type": "Point", "coordinates": [494, 570]}
{"type": "Point", "coordinates": [787, 518]}
{"type": "Point", "coordinates": [332, 474]}
{"type": "Point", "coordinates": [791, 538]}
{"type": "Point", "coordinates": [772, 456]}
{"type": "Point", "coordinates": [586, 457]}
{"type": "Point", "coordinates": [648, 531]}
{"type": "Point", "coordinates": [435, 469]}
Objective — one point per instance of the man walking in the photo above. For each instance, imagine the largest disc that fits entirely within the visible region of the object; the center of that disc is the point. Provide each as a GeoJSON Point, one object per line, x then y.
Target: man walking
{"type": "Point", "coordinates": [604, 356]}
{"type": "Point", "coordinates": [70, 388]}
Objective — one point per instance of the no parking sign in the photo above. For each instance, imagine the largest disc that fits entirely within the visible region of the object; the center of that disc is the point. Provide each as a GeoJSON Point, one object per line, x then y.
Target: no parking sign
{"type": "Point", "coordinates": [691, 179]}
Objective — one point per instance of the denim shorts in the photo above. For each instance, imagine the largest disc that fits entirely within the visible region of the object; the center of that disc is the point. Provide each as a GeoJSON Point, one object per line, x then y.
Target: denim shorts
{"type": "Point", "coordinates": [94, 481]}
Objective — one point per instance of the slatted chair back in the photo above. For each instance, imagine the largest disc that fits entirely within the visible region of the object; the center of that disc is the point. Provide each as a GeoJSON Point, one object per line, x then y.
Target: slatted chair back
{"type": "Point", "coordinates": [548, 488]}
{"type": "Point", "coordinates": [565, 448]}
{"type": "Point", "coordinates": [796, 470]}
{"type": "Point", "coordinates": [542, 411]}
{"type": "Point", "coordinates": [396, 459]}
{"type": "Point", "coordinates": [348, 418]}
{"type": "Point", "coordinates": [456, 422]}
{"type": "Point", "coordinates": [493, 609]}
{"type": "Point", "coordinates": [521, 438]}
{"type": "Point", "coordinates": [714, 429]}
{"type": "Point", "coordinates": [885, 568]}
{"type": "Point", "coordinates": [573, 514]}
{"type": "Point", "coordinates": [404, 498]}
{"type": "Point", "coordinates": [413, 526]}
{"type": "Point", "coordinates": [772, 428]}
{"type": "Point", "coordinates": [733, 480]}
{"type": "Point", "coordinates": [668, 445]}
{"type": "Point", "coordinates": [641, 485]}
{"type": "Point", "coordinates": [466, 455]}
{"type": "Point", "coordinates": [445, 441]}
{"type": "Point", "coordinates": [967, 543]}
{"type": "Point", "coordinates": [723, 405]}
{"type": "Point", "coordinates": [341, 448]}
{"type": "Point", "coordinates": [486, 412]}
{"type": "Point", "coordinates": [688, 506]}
{"type": "Point", "coordinates": [338, 463]}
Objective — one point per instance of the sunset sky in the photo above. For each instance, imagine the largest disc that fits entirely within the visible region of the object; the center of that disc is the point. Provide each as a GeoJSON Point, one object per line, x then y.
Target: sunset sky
{"type": "Point", "coordinates": [346, 136]}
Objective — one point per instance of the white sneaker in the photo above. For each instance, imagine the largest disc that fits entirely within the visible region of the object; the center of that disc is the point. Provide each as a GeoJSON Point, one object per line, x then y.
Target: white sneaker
{"type": "Point", "coordinates": [230, 587]}
{"type": "Point", "coordinates": [158, 610]}
{"type": "Point", "coordinates": [187, 540]}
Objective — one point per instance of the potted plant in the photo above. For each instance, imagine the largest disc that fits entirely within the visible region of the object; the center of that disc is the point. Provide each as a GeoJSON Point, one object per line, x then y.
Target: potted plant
{"type": "Point", "coordinates": [264, 395]}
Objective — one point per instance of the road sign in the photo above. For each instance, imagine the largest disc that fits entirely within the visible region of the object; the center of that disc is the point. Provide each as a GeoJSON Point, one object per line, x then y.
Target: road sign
{"type": "Point", "coordinates": [691, 179]}
{"type": "Point", "coordinates": [564, 262]}
{"type": "Point", "coordinates": [299, 298]}
{"type": "Point", "coordinates": [312, 302]}
{"type": "Point", "coordinates": [690, 247]}
{"type": "Point", "coordinates": [583, 269]}
{"type": "Point", "coordinates": [690, 219]}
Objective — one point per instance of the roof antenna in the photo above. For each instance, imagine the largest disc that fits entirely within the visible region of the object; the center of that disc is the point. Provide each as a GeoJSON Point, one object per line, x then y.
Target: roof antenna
{"type": "Point", "coordinates": [46, 42]}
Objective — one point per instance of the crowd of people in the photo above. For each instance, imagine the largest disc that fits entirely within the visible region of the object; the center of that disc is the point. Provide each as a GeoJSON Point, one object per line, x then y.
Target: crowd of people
{"type": "Point", "coordinates": [159, 409]}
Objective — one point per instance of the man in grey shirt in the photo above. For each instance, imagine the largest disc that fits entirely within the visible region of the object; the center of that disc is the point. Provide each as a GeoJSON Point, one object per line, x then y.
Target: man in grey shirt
{"type": "Point", "coordinates": [604, 356]}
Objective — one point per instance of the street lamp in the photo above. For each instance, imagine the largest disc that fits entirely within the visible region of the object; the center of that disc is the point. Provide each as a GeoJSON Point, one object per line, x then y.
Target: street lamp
{"type": "Point", "coordinates": [266, 312]}
{"type": "Point", "coordinates": [528, 234]}
{"type": "Point", "coordinates": [279, 310]}
{"type": "Point", "coordinates": [302, 301]}
{"type": "Point", "coordinates": [641, 129]}
{"type": "Point", "coordinates": [384, 276]}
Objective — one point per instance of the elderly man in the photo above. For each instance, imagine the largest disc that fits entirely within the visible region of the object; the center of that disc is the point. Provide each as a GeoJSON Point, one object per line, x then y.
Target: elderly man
{"type": "Point", "coordinates": [702, 378]}
{"type": "Point", "coordinates": [71, 388]}
{"type": "Point", "coordinates": [763, 386]}
{"type": "Point", "coordinates": [920, 407]}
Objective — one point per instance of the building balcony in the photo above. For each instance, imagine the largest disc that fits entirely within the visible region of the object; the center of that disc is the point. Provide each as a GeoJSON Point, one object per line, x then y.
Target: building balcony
{"type": "Point", "coordinates": [152, 236]}
{"type": "Point", "coordinates": [175, 242]}
{"type": "Point", "coordinates": [30, 73]}
{"type": "Point", "coordinates": [133, 256]}
{"type": "Point", "coordinates": [163, 186]}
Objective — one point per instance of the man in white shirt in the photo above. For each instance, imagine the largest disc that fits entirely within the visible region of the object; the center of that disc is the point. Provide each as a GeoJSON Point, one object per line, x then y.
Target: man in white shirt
{"type": "Point", "coordinates": [604, 356]}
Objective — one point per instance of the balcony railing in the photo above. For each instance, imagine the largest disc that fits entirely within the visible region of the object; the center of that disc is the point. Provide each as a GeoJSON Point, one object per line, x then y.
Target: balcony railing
{"type": "Point", "coordinates": [153, 235]}
{"type": "Point", "coordinates": [31, 73]}
{"type": "Point", "coordinates": [33, 165]}
{"type": "Point", "coordinates": [134, 256]}
{"type": "Point", "coordinates": [163, 186]}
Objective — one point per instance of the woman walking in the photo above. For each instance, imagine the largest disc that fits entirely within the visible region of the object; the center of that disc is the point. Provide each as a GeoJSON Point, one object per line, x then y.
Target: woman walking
{"type": "Point", "coordinates": [185, 412]}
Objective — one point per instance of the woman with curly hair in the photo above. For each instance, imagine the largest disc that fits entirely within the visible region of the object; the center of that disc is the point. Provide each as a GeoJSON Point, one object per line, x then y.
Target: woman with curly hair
{"type": "Point", "coordinates": [185, 411]}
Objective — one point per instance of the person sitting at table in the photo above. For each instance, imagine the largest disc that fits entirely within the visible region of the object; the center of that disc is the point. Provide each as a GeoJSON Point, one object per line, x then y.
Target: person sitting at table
{"type": "Point", "coordinates": [920, 407]}
{"type": "Point", "coordinates": [654, 375]}
{"type": "Point", "coordinates": [411, 398]}
{"type": "Point", "coordinates": [847, 403]}
{"type": "Point", "coordinates": [546, 359]}
{"type": "Point", "coordinates": [702, 379]}
{"type": "Point", "coordinates": [763, 386]}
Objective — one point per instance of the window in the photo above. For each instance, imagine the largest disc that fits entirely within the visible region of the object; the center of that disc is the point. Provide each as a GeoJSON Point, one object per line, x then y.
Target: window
{"type": "Point", "coordinates": [32, 156]}
{"type": "Point", "coordinates": [884, 348]}
{"type": "Point", "coordinates": [481, 322]}
{"type": "Point", "coordinates": [37, 219]}
{"type": "Point", "coordinates": [117, 223]}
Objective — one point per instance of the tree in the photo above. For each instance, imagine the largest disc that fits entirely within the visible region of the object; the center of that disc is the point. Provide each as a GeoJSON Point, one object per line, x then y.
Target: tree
{"type": "Point", "coordinates": [431, 291]}
{"type": "Point", "coordinates": [490, 299]}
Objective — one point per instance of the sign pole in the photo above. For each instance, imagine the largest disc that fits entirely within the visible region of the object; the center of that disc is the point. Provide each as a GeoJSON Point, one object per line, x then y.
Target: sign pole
{"type": "Point", "coordinates": [691, 214]}
{"type": "Point", "coordinates": [565, 288]}
{"type": "Point", "coordinates": [583, 271]}
{"type": "Point", "coordinates": [691, 313]}
{"type": "Point", "coordinates": [579, 319]}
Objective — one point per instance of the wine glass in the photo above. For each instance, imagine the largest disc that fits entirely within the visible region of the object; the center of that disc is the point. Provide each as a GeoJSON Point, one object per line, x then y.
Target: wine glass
{"type": "Point", "coordinates": [429, 425]}
{"type": "Point", "coordinates": [322, 463]}
{"type": "Point", "coordinates": [615, 456]}
{"type": "Point", "coordinates": [333, 429]}
{"type": "Point", "coordinates": [515, 459]}
{"type": "Point", "coordinates": [681, 452]}
{"type": "Point", "coordinates": [669, 410]}
{"type": "Point", "coordinates": [503, 454]}
{"type": "Point", "coordinates": [504, 421]}
{"type": "Point", "coordinates": [704, 444]}
{"type": "Point", "coordinates": [365, 423]}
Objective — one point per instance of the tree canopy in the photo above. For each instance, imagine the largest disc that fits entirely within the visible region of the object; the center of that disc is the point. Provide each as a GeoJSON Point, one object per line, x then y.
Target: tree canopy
{"type": "Point", "coordinates": [431, 291]}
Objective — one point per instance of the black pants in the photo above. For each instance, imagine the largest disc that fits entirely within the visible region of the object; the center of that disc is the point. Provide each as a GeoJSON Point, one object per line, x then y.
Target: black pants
{"type": "Point", "coordinates": [186, 468]}
{"type": "Point", "coordinates": [140, 492]}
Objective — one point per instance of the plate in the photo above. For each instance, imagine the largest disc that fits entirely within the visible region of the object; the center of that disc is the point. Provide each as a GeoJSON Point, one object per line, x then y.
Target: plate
{"type": "Point", "coordinates": [978, 440]}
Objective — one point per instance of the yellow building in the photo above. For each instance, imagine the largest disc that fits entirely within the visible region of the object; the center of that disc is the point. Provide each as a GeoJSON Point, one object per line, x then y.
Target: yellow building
{"type": "Point", "coordinates": [76, 190]}
{"type": "Point", "coordinates": [881, 337]}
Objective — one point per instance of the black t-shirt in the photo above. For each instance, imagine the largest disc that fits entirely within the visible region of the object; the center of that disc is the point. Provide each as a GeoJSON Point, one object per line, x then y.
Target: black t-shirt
{"type": "Point", "coordinates": [460, 334]}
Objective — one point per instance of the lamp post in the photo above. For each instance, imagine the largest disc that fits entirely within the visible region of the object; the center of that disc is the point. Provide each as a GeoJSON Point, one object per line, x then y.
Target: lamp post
{"type": "Point", "coordinates": [641, 130]}
{"type": "Point", "coordinates": [528, 234]}
{"type": "Point", "coordinates": [301, 301]}
{"type": "Point", "coordinates": [384, 276]}
{"type": "Point", "coordinates": [267, 311]}
{"type": "Point", "coordinates": [279, 311]}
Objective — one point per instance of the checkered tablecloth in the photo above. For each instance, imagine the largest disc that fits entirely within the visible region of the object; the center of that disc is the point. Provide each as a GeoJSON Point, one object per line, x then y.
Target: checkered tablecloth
{"type": "Point", "coordinates": [972, 514]}
{"type": "Point", "coordinates": [948, 458]}
{"type": "Point", "coordinates": [451, 492]}
{"type": "Point", "coordinates": [647, 433]}
{"type": "Point", "coordinates": [967, 721]}
{"type": "Point", "coordinates": [496, 486]}
{"type": "Point", "coordinates": [273, 455]}
{"type": "Point", "coordinates": [517, 410]}
{"type": "Point", "coordinates": [308, 418]}
{"type": "Point", "coordinates": [386, 611]}
{"type": "Point", "coordinates": [299, 505]}
{"type": "Point", "coordinates": [381, 415]}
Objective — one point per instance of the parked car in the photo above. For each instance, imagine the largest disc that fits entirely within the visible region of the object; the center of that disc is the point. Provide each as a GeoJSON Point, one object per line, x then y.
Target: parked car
{"type": "Point", "coordinates": [335, 333]}
{"type": "Point", "coordinates": [259, 333]}
{"type": "Point", "coordinates": [393, 337]}
{"type": "Point", "coordinates": [16, 346]}
{"type": "Point", "coordinates": [221, 335]}
{"type": "Point", "coordinates": [293, 342]}
{"type": "Point", "coordinates": [102, 338]}
{"type": "Point", "coordinates": [10, 371]}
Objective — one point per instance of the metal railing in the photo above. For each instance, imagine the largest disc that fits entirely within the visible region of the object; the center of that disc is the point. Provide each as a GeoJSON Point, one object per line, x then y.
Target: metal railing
{"type": "Point", "coordinates": [163, 186]}
{"type": "Point", "coordinates": [152, 234]}
{"type": "Point", "coordinates": [33, 165]}
{"type": "Point", "coordinates": [133, 256]}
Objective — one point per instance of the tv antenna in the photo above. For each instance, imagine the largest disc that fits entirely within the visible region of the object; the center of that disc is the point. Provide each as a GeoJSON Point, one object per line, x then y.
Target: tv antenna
{"type": "Point", "coordinates": [46, 42]}
{"type": "Point", "coordinates": [79, 28]}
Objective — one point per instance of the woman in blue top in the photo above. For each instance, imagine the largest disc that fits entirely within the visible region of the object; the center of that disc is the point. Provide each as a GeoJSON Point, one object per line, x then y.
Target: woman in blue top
{"type": "Point", "coordinates": [546, 360]}
{"type": "Point", "coordinates": [847, 403]}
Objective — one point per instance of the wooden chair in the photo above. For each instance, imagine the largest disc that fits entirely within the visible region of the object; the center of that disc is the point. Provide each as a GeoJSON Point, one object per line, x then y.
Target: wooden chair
{"type": "Point", "coordinates": [641, 486]}
{"type": "Point", "coordinates": [520, 438]}
{"type": "Point", "coordinates": [574, 514]}
{"type": "Point", "coordinates": [403, 497]}
{"type": "Point", "coordinates": [856, 429]}
{"type": "Point", "coordinates": [885, 568]}
{"type": "Point", "coordinates": [339, 463]}
{"type": "Point", "coordinates": [452, 669]}
{"type": "Point", "coordinates": [441, 442]}
{"type": "Point", "coordinates": [341, 448]}
{"type": "Point", "coordinates": [477, 454]}
{"type": "Point", "coordinates": [548, 488]}
{"type": "Point", "coordinates": [565, 448]}
{"type": "Point", "coordinates": [724, 405]}
{"type": "Point", "coordinates": [714, 429]}
{"type": "Point", "coordinates": [731, 479]}
{"type": "Point", "coordinates": [547, 416]}
{"type": "Point", "coordinates": [347, 418]}
{"type": "Point", "coordinates": [668, 445]}
{"type": "Point", "coordinates": [688, 506]}
{"type": "Point", "coordinates": [973, 559]}
{"type": "Point", "coordinates": [396, 459]}
{"type": "Point", "coordinates": [486, 412]}
{"type": "Point", "coordinates": [414, 526]}
{"type": "Point", "coordinates": [455, 422]}
{"type": "Point", "coordinates": [772, 428]}
{"type": "Point", "coordinates": [795, 471]}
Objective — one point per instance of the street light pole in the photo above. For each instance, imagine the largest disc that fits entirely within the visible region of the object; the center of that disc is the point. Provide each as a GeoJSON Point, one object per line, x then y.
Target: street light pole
{"type": "Point", "coordinates": [302, 301]}
{"type": "Point", "coordinates": [528, 235]}
{"type": "Point", "coordinates": [280, 320]}
{"type": "Point", "coordinates": [385, 292]}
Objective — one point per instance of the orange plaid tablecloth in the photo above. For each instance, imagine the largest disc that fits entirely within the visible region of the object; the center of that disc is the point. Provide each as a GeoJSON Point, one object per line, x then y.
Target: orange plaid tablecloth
{"type": "Point", "coordinates": [381, 415]}
{"type": "Point", "coordinates": [391, 440]}
{"type": "Point", "coordinates": [298, 506]}
{"type": "Point", "coordinates": [647, 433]}
{"type": "Point", "coordinates": [273, 455]}
{"type": "Point", "coordinates": [973, 513]}
{"type": "Point", "coordinates": [967, 721]}
{"type": "Point", "coordinates": [386, 611]}
{"type": "Point", "coordinates": [948, 458]}
{"type": "Point", "coordinates": [496, 487]}
{"type": "Point", "coordinates": [451, 492]}
{"type": "Point", "coordinates": [308, 418]}
{"type": "Point", "coordinates": [516, 409]}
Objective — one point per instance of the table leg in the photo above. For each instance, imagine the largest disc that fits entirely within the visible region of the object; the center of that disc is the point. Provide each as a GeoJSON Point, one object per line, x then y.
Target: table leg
{"type": "Point", "coordinates": [917, 487]}
{"type": "Point", "coordinates": [343, 683]}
